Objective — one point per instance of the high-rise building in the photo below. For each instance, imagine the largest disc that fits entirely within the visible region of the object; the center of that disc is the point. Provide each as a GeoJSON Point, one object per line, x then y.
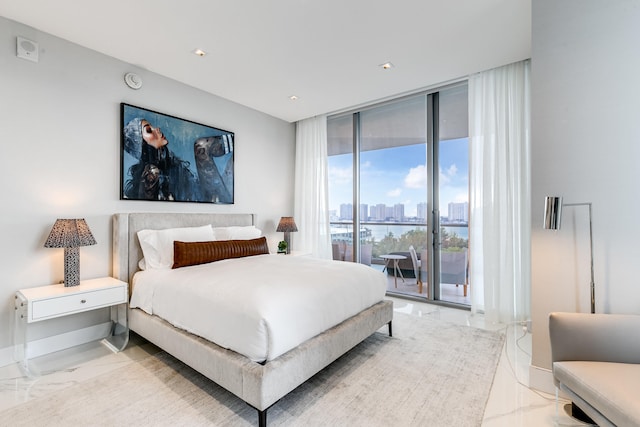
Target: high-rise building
{"type": "Point", "coordinates": [346, 211]}
{"type": "Point", "coordinates": [364, 212]}
{"type": "Point", "coordinates": [388, 212]}
{"type": "Point", "coordinates": [422, 211]}
{"type": "Point", "coordinates": [398, 212]}
{"type": "Point", "coordinates": [380, 212]}
{"type": "Point", "coordinates": [459, 212]}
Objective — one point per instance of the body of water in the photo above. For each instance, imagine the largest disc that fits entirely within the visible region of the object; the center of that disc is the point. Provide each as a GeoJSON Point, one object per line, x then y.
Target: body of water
{"type": "Point", "coordinates": [379, 231]}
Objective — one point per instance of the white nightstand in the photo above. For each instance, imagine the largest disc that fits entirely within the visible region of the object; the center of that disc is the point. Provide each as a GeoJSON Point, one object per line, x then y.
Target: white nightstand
{"type": "Point", "coordinates": [48, 302]}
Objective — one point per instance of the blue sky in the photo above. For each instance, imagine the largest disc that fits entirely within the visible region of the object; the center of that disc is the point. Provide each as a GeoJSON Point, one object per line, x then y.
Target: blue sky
{"type": "Point", "coordinates": [398, 175]}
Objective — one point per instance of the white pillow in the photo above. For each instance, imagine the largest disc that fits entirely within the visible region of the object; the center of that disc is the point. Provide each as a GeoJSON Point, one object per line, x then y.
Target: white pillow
{"type": "Point", "coordinates": [157, 245]}
{"type": "Point", "coordinates": [237, 233]}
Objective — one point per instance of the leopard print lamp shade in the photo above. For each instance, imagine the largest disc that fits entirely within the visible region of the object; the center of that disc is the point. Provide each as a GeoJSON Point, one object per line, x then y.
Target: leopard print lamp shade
{"type": "Point", "coordinates": [70, 234]}
{"type": "Point", "coordinates": [287, 225]}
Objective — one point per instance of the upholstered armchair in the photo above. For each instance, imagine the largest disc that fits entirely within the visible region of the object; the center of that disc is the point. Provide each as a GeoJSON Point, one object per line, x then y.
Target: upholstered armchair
{"type": "Point", "coordinates": [596, 362]}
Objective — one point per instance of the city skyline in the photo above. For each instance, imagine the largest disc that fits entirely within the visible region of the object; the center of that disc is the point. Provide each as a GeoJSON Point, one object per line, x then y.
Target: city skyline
{"type": "Point", "coordinates": [456, 212]}
{"type": "Point", "coordinates": [398, 175]}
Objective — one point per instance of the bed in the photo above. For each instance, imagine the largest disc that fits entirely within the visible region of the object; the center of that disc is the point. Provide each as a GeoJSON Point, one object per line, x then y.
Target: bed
{"type": "Point", "coordinates": [260, 383]}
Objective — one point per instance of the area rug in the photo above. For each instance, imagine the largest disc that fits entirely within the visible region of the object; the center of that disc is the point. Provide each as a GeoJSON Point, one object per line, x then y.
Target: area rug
{"type": "Point", "coordinates": [430, 373]}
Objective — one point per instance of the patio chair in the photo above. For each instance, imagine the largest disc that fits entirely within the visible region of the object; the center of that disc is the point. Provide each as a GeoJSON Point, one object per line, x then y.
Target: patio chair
{"type": "Point", "coordinates": [416, 267]}
{"type": "Point", "coordinates": [424, 264]}
{"type": "Point", "coordinates": [454, 269]}
{"type": "Point", "coordinates": [365, 253]}
{"type": "Point", "coordinates": [338, 251]}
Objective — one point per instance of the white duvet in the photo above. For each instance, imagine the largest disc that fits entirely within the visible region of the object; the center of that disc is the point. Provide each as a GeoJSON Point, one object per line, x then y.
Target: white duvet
{"type": "Point", "coordinates": [259, 306]}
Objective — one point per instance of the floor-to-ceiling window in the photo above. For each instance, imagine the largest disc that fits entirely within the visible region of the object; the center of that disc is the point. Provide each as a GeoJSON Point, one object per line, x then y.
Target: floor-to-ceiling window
{"type": "Point", "coordinates": [398, 191]}
{"type": "Point", "coordinates": [451, 261]}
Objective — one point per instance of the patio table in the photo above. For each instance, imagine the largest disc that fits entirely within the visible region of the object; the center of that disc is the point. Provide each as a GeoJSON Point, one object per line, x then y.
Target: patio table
{"type": "Point", "coordinates": [396, 268]}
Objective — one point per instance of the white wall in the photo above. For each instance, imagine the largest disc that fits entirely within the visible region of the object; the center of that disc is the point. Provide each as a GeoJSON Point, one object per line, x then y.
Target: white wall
{"type": "Point", "coordinates": [59, 133]}
{"type": "Point", "coordinates": [585, 147]}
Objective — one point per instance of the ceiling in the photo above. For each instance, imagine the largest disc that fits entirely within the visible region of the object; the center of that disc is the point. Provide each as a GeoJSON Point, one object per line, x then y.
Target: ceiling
{"type": "Point", "coordinates": [326, 52]}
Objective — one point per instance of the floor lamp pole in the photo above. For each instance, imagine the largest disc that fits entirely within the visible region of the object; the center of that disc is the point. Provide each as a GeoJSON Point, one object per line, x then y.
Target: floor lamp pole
{"type": "Point", "coordinates": [592, 284]}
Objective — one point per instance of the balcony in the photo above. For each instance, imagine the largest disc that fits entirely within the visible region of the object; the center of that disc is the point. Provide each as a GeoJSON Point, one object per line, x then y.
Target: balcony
{"type": "Point", "coordinates": [380, 238]}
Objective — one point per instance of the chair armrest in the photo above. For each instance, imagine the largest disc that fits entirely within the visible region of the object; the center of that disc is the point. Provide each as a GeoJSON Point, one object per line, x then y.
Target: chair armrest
{"type": "Point", "coordinates": [595, 337]}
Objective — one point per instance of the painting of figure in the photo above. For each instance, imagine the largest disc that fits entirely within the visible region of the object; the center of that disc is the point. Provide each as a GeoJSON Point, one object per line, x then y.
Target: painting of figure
{"type": "Point", "coordinates": [165, 158]}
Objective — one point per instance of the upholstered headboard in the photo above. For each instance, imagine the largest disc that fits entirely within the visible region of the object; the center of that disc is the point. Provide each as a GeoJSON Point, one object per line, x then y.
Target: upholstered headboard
{"type": "Point", "coordinates": [126, 248]}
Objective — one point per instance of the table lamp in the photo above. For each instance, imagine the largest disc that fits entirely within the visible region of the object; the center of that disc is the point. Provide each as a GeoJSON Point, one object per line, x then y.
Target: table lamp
{"type": "Point", "coordinates": [70, 234]}
{"type": "Point", "coordinates": [287, 225]}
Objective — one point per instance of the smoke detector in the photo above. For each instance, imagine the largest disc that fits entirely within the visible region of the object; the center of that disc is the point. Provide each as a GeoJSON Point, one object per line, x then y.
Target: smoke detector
{"type": "Point", "coordinates": [133, 80]}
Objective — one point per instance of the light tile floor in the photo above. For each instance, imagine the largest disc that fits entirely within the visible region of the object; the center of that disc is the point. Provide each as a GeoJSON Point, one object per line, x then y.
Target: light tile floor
{"type": "Point", "coordinates": [511, 403]}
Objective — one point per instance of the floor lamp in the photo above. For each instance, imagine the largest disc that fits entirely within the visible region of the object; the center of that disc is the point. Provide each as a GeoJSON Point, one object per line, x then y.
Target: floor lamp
{"type": "Point", "coordinates": [552, 217]}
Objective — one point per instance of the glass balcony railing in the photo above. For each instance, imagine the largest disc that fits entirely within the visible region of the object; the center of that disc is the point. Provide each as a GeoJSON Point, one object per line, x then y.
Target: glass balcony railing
{"type": "Point", "coordinates": [383, 238]}
{"type": "Point", "coordinates": [387, 237]}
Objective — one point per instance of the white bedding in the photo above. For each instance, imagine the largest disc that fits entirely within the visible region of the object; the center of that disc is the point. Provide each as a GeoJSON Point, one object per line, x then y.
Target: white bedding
{"type": "Point", "coordinates": [259, 306]}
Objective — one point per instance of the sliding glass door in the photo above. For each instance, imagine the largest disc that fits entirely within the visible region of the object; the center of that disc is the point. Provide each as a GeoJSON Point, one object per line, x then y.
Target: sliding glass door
{"type": "Point", "coordinates": [386, 182]}
{"type": "Point", "coordinates": [451, 258]}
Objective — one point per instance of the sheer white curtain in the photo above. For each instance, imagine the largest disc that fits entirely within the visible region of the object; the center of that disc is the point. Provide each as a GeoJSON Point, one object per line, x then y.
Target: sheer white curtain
{"type": "Point", "coordinates": [500, 193]}
{"type": "Point", "coordinates": [311, 211]}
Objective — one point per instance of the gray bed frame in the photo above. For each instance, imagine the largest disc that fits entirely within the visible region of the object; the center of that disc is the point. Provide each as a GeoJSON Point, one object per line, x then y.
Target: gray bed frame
{"type": "Point", "coordinates": [260, 385]}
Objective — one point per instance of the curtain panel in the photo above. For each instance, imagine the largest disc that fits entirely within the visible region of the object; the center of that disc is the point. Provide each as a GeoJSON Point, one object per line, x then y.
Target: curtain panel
{"type": "Point", "coordinates": [500, 193]}
{"type": "Point", "coordinates": [311, 197]}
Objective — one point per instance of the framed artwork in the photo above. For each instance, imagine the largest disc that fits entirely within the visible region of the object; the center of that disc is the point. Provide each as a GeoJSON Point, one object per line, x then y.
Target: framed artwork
{"type": "Point", "coordinates": [165, 158]}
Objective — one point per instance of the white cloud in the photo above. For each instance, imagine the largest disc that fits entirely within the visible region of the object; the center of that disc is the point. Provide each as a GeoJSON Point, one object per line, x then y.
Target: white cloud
{"type": "Point", "coordinates": [416, 178]}
{"type": "Point", "coordinates": [340, 175]}
{"type": "Point", "coordinates": [461, 197]}
{"type": "Point", "coordinates": [444, 178]}
{"type": "Point", "coordinates": [448, 174]}
{"type": "Point", "coordinates": [396, 192]}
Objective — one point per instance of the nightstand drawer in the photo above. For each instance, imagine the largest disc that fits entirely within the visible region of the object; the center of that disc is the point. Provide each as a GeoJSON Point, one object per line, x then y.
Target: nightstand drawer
{"type": "Point", "coordinates": [77, 302]}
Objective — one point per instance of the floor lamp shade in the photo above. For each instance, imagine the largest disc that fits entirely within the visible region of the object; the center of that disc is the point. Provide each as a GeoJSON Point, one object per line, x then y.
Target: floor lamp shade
{"type": "Point", "coordinates": [552, 212]}
{"type": "Point", "coordinates": [70, 234]}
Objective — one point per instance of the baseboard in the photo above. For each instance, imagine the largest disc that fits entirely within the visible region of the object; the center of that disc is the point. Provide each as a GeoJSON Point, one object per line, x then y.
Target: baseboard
{"type": "Point", "coordinates": [68, 339]}
{"type": "Point", "coordinates": [541, 379]}
{"type": "Point", "coordinates": [6, 356]}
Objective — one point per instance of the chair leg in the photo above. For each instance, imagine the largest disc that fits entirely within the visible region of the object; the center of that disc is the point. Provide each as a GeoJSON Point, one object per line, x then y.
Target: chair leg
{"type": "Point", "coordinates": [464, 292]}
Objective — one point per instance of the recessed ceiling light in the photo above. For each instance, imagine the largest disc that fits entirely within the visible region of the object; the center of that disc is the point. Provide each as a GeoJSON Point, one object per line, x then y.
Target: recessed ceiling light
{"type": "Point", "coordinates": [199, 52]}
{"type": "Point", "coordinates": [293, 98]}
{"type": "Point", "coordinates": [387, 65]}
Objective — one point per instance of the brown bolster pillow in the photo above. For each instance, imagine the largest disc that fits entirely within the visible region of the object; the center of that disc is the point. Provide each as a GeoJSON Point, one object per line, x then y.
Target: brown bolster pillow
{"type": "Point", "coordinates": [193, 253]}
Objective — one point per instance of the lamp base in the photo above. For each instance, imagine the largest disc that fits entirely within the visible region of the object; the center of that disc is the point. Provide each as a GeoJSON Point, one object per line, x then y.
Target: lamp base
{"type": "Point", "coordinates": [71, 267]}
{"type": "Point", "coordinates": [574, 412]}
{"type": "Point", "coordinates": [287, 239]}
